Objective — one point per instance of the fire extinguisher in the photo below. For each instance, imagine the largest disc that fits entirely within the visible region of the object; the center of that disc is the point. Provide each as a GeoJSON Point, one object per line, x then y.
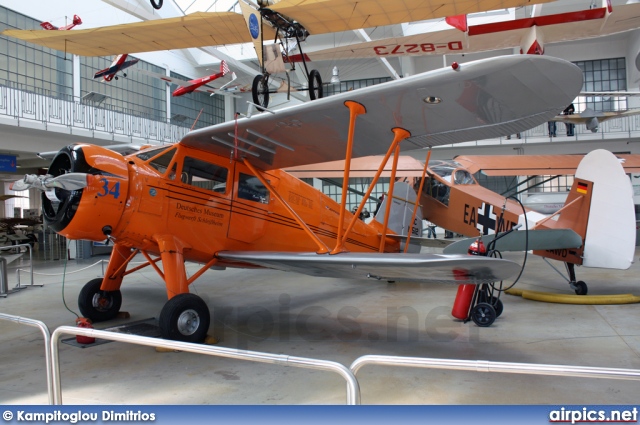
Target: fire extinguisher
{"type": "Point", "coordinates": [83, 322]}
{"type": "Point", "coordinates": [465, 292]}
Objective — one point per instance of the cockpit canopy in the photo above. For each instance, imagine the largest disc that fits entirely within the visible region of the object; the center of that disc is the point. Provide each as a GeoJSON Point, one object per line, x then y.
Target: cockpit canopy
{"type": "Point", "coordinates": [446, 169]}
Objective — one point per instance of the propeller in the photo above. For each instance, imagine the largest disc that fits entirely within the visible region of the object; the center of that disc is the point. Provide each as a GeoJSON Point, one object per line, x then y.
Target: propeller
{"type": "Point", "coordinates": [69, 181]}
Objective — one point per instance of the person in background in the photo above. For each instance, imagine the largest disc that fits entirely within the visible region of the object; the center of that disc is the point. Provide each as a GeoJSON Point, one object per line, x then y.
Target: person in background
{"type": "Point", "coordinates": [552, 128]}
{"type": "Point", "coordinates": [431, 230]}
{"type": "Point", "coordinates": [569, 110]}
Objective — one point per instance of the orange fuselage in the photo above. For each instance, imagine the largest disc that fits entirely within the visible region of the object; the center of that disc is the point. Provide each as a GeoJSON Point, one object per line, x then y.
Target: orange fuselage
{"type": "Point", "coordinates": [142, 200]}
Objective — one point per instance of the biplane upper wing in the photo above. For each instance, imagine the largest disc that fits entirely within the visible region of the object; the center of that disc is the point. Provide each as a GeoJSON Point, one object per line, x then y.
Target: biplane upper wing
{"type": "Point", "coordinates": [478, 100]}
{"type": "Point", "coordinates": [534, 165]}
{"type": "Point", "coordinates": [220, 28]}
{"type": "Point", "coordinates": [492, 36]}
{"type": "Point", "coordinates": [382, 266]}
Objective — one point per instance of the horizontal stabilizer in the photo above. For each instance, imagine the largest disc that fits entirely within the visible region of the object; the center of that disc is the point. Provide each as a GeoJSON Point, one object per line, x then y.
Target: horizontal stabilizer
{"type": "Point", "coordinates": [435, 268]}
{"type": "Point", "coordinates": [517, 241]}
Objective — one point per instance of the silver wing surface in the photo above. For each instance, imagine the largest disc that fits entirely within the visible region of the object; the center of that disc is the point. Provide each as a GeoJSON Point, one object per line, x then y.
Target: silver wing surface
{"type": "Point", "coordinates": [451, 269]}
{"type": "Point", "coordinates": [479, 100]}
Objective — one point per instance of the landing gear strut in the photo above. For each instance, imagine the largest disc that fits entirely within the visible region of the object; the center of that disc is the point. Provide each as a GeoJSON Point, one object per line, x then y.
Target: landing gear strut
{"type": "Point", "coordinates": [578, 286]}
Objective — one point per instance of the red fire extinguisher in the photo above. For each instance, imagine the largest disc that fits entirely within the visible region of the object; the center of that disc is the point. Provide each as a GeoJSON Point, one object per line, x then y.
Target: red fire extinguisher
{"type": "Point", "coordinates": [83, 322]}
{"type": "Point", "coordinates": [465, 292]}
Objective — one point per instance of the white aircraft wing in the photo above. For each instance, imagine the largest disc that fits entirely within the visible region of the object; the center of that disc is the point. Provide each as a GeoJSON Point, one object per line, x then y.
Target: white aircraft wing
{"type": "Point", "coordinates": [522, 240]}
{"type": "Point", "coordinates": [434, 268]}
{"type": "Point", "coordinates": [478, 100]}
{"type": "Point", "coordinates": [493, 36]}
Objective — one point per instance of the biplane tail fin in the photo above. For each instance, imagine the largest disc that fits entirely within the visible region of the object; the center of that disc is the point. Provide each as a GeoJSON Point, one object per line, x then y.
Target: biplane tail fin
{"type": "Point", "coordinates": [402, 204]}
{"type": "Point", "coordinates": [600, 209]}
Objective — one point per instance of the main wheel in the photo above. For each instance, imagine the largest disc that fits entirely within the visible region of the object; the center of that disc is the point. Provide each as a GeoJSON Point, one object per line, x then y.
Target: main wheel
{"type": "Point", "coordinates": [581, 288]}
{"type": "Point", "coordinates": [156, 4]}
{"type": "Point", "coordinates": [185, 317]}
{"type": "Point", "coordinates": [315, 85]}
{"type": "Point", "coordinates": [96, 304]}
{"type": "Point", "coordinates": [483, 315]}
{"type": "Point", "coordinates": [260, 90]}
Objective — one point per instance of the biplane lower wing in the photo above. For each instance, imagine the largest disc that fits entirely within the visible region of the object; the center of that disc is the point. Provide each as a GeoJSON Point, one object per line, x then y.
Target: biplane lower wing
{"type": "Point", "coordinates": [433, 268]}
{"type": "Point", "coordinates": [541, 239]}
{"type": "Point", "coordinates": [473, 101]}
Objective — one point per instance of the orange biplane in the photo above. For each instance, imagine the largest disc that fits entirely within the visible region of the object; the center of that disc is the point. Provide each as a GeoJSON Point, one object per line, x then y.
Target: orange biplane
{"type": "Point", "coordinates": [578, 233]}
{"type": "Point", "coordinates": [218, 197]}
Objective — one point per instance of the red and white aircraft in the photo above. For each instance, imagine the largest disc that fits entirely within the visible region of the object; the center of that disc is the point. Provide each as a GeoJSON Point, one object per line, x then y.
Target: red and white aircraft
{"type": "Point", "coordinates": [119, 63]}
{"type": "Point", "coordinates": [50, 26]}
{"type": "Point", "coordinates": [198, 84]}
{"type": "Point", "coordinates": [529, 34]}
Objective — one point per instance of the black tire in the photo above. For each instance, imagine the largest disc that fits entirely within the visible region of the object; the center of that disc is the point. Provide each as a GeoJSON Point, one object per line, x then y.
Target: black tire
{"type": "Point", "coordinates": [97, 305]}
{"type": "Point", "coordinates": [156, 4]}
{"type": "Point", "coordinates": [483, 315]}
{"type": "Point", "coordinates": [260, 91]}
{"type": "Point", "coordinates": [116, 77]}
{"type": "Point", "coordinates": [315, 85]}
{"type": "Point", "coordinates": [124, 74]}
{"type": "Point", "coordinates": [581, 288]}
{"type": "Point", "coordinates": [186, 318]}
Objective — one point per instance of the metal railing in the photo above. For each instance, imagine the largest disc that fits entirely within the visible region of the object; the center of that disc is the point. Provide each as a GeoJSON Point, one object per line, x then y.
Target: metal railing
{"type": "Point", "coordinates": [4, 287]}
{"type": "Point", "coordinates": [25, 105]}
{"type": "Point", "coordinates": [496, 367]}
{"type": "Point", "coordinates": [353, 389]}
{"type": "Point", "coordinates": [47, 345]}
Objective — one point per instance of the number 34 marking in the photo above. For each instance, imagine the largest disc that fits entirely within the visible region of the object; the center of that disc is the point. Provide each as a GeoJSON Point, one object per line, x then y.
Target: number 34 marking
{"type": "Point", "coordinates": [114, 190]}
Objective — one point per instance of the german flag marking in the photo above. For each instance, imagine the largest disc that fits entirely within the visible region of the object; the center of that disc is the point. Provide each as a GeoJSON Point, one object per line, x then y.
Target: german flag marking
{"type": "Point", "coordinates": [582, 188]}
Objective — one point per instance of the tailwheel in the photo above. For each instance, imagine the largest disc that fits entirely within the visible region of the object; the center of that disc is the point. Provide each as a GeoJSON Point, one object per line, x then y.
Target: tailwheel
{"type": "Point", "coordinates": [98, 305]}
{"type": "Point", "coordinates": [260, 90]}
{"type": "Point", "coordinates": [185, 317]}
{"type": "Point", "coordinates": [483, 314]}
{"type": "Point", "coordinates": [315, 85]}
{"type": "Point", "coordinates": [581, 288]}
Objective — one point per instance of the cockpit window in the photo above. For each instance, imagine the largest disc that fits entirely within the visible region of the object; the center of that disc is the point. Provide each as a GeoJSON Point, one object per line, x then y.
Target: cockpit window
{"type": "Point", "coordinates": [150, 153]}
{"type": "Point", "coordinates": [463, 177]}
{"type": "Point", "coordinates": [161, 162]}
{"type": "Point", "coordinates": [204, 175]}
{"type": "Point", "coordinates": [446, 169]}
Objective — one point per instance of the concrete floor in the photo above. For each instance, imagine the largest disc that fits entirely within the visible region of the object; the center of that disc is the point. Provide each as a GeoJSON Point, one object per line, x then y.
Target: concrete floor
{"type": "Point", "coordinates": [330, 319]}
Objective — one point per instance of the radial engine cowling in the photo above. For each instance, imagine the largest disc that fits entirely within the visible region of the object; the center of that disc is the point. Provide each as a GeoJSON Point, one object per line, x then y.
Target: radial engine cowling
{"type": "Point", "coordinates": [89, 213]}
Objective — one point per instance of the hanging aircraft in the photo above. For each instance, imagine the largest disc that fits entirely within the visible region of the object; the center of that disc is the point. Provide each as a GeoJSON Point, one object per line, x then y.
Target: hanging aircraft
{"type": "Point", "coordinates": [120, 63]}
{"type": "Point", "coordinates": [286, 22]}
{"type": "Point", "coordinates": [218, 197]}
{"type": "Point", "coordinates": [198, 84]}
{"type": "Point", "coordinates": [529, 34]}
{"type": "Point", "coordinates": [578, 233]}
{"type": "Point", "coordinates": [49, 26]}
{"type": "Point", "coordinates": [592, 119]}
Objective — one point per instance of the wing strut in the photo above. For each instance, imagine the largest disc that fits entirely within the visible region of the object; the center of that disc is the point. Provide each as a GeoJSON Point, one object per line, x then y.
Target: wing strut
{"type": "Point", "coordinates": [415, 207]}
{"type": "Point", "coordinates": [400, 135]}
{"type": "Point", "coordinates": [323, 248]}
{"type": "Point", "coordinates": [355, 109]}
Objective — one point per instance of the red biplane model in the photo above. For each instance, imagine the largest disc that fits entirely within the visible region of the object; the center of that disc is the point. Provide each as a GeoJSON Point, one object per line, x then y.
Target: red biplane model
{"type": "Point", "coordinates": [50, 26]}
{"type": "Point", "coordinates": [119, 64]}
